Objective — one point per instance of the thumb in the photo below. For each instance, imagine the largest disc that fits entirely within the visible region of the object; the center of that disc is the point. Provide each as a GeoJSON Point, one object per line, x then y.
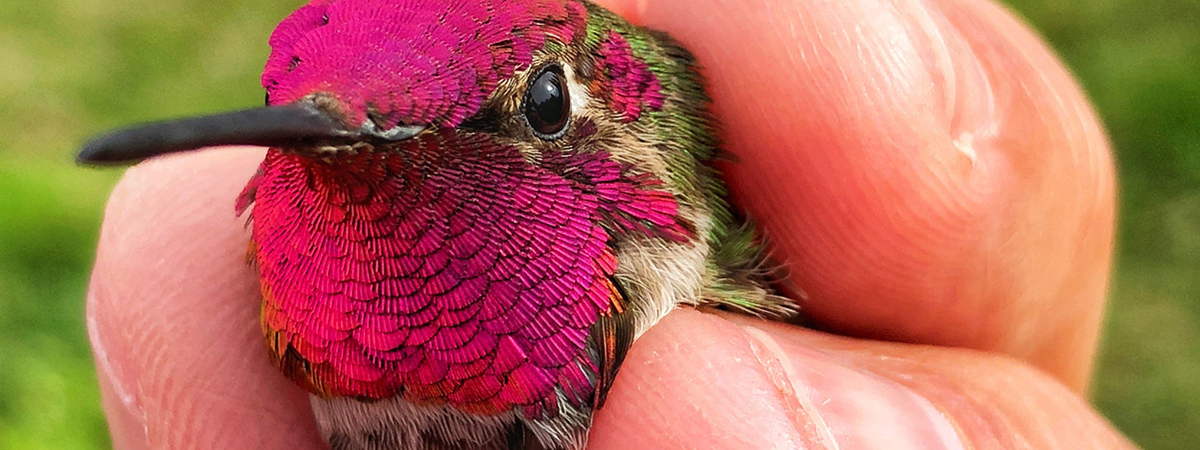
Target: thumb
{"type": "Point", "coordinates": [702, 381]}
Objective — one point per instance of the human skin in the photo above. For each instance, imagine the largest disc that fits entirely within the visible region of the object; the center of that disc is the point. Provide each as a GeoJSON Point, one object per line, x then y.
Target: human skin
{"type": "Point", "coordinates": [927, 170]}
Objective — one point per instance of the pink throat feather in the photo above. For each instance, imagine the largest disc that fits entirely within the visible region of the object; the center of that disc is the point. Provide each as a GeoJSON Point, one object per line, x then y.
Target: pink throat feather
{"type": "Point", "coordinates": [459, 274]}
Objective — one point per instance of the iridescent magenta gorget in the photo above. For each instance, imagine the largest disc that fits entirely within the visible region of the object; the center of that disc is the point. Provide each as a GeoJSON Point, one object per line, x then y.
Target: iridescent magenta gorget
{"type": "Point", "coordinates": [450, 268]}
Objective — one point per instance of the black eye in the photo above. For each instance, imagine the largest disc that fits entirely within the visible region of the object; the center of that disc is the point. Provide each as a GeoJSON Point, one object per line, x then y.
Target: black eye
{"type": "Point", "coordinates": [548, 104]}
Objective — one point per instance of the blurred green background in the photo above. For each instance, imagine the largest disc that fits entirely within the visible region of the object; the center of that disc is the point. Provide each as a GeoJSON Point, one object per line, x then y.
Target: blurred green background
{"type": "Point", "coordinates": [70, 68]}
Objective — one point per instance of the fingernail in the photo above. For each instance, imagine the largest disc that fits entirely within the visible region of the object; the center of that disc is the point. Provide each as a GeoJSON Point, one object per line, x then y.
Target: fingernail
{"type": "Point", "coordinates": [838, 406]}
{"type": "Point", "coordinates": [118, 385]}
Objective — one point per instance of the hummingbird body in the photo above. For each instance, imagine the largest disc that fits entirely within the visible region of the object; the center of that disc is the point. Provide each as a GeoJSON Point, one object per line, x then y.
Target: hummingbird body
{"type": "Point", "coordinates": [469, 211]}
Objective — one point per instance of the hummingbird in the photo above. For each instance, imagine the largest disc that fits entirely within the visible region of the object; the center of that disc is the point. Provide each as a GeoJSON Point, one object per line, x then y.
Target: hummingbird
{"type": "Point", "coordinates": [469, 210]}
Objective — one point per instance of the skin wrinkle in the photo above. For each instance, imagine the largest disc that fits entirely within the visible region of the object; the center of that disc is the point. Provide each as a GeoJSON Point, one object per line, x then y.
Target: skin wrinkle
{"type": "Point", "coordinates": [1000, 162]}
{"type": "Point", "coordinates": [871, 406]}
{"type": "Point", "coordinates": [777, 364]}
{"type": "Point", "coordinates": [996, 401]}
{"type": "Point", "coordinates": [122, 403]}
{"type": "Point", "coordinates": [914, 213]}
{"type": "Point", "coordinates": [962, 187]}
{"type": "Point", "coordinates": [937, 56]}
{"type": "Point", "coordinates": [109, 367]}
{"type": "Point", "coordinates": [118, 354]}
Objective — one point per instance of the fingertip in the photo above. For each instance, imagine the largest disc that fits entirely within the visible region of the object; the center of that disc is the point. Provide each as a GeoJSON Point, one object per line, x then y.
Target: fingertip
{"type": "Point", "coordinates": [703, 381]}
{"type": "Point", "coordinates": [699, 381]}
{"type": "Point", "coordinates": [173, 314]}
{"type": "Point", "coordinates": [692, 381]}
{"type": "Point", "coordinates": [894, 395]}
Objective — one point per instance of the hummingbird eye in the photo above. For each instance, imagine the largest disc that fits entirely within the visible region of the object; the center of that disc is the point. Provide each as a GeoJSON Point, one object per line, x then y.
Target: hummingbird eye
{"type": "Point", "coordinates": [548, 104]}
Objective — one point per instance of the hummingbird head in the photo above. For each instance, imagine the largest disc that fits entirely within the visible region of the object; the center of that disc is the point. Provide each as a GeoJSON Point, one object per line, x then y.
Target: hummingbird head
{"type": "Point", "coordinates": [448, 184]}
{"type": "Point", "coordinates": [345, 76]}
{"type": "Point", "coordinates": [386, 71]}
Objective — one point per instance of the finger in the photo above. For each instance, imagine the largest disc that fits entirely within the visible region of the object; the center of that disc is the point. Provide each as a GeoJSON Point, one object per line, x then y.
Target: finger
{"type": "Point", "coordinates": [701, 381]}
{"type": "Point", "coordinates": [173, 315]}
{"type": "Point", "coordinates": [927, 169]}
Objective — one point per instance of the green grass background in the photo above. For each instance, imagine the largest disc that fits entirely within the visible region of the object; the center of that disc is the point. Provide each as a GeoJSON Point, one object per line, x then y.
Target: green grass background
{"type": "Point", "coordinates": [70, 68]}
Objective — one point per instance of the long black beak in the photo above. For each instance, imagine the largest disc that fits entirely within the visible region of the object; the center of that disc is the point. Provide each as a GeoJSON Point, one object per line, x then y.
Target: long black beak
{"type": "Point", "coordinates": [299, 124]}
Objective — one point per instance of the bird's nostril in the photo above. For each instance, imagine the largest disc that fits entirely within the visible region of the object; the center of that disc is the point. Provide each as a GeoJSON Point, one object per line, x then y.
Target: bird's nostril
{"type": "Point", "coordinates": [399, 132]}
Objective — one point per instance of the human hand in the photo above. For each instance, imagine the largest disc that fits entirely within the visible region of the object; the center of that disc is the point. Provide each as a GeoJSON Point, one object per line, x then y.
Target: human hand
{"type": "Point", "coordinates": [927, 169]}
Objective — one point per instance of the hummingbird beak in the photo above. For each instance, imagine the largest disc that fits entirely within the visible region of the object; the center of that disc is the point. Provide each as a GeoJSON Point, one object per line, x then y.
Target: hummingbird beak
{"type": "Point", "coordinates": [297, 125]}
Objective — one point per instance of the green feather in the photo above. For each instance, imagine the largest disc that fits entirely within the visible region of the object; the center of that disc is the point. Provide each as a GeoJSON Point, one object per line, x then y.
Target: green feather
{"type": "Point", "coordinates": [688, 135]}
